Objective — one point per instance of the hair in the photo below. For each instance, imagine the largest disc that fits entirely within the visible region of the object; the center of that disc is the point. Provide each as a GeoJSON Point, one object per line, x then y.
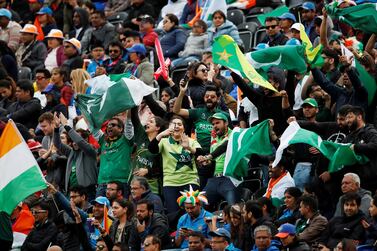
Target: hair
{"type": "Point", "coordinates": [368, 62]}
{"type": "Point", "coordinates": [169, 91]}
{"type": "Point", "coordinates": [90, 5]}
{"type": "Point", "coordinates": [45, 72]}
{"type": "Point", "coordinates": [222, 14]}
{"type": "Point", "coordinates": [44, 205]}
{"type": "Point", "coordinates": [61, 72]}
{"type": "Point", "coordinates": [310, 201]}
{"type": "Point", "coordinates": [348, 245]}
{"type": "Point", "coordinates": [357, 110]}
{"type": "Point", "coordinates": [126, 204]}
{"type": "Point", "coordinates": [194, 67]}
{"type": "Point", "coordinates": [80, 190]}
{"type": "Point", "coordinates": [355, 178]}
{"type": "Point", "coordinates": [293, 191]}
{"type": "Point", "coordinates": [212, 88]}
{"type": "Point", "coordinates": [202, 24]}
{"type": "Point", "coordinates": [83, 133]}
{"type": "Point", "coordinates": [118, 184]}
{"type": "Point", "coordinates": [116, 43]}
{"type": "Point", "coordinates": [344, 110]}
{"type": "Point", "coordinates": [149, 204]}
{"type": "Point", "coordinates": [178, 117]}
{"type": "Point", "coordinates": [120, 122]}
{"type": "Point", "coordinates": [100, 13]}
{"type": "Point", "coordinates": [263, 201]}
{"type": "Point", "coordinates": [26, 85]}
{"type": "Point", "coordinates": [375, 200]}
{"type": "Point", "coordinates": [197, 234]}
{"type": "Point", "coordinates": [348, 197]}
{"type": "Point", "coordinates": [173, 18]}
{"type": "Point", "coordinates": [5, 50]}
{"type": "Point", "coordinates": [69, 140]}
{"type": "Point", "coordinates": [50, 19]}
{"type": "Point", "coordinates": [237, 232]}
{"type": "Point", "coordinates": [284, 162]}
{"type": "Point", "coordinates": [48, 116]}
{"type": "Point", "coordinates": [332, 54]}
{"type": "Point", "coordinates": [7, 83]}
{"type": "Point", "coordinates": [161, 123]}
{"type": "Point", "coordinates": [78, 78]}
{"type": "Point", "coordinates": [254, 208]}
{"type": "Point", "coordinates": [270, 19]}
{"type": "Point", "coordinates": [155, 239]}
{"type": "Point", "coordinates": [142, 181]}
{"type": "Point", "coordinates": [262, 228]}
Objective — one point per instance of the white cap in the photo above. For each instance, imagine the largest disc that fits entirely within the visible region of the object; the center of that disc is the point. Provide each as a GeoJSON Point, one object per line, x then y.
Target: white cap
{"type": "Point", "coordinates": [296, 26]}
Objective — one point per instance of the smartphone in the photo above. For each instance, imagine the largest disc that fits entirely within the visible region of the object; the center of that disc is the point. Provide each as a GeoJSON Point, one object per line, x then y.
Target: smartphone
{"type": "Point", "coordinates": [208, 219]}
{"type": "Point", "coordinates": [185, 79]}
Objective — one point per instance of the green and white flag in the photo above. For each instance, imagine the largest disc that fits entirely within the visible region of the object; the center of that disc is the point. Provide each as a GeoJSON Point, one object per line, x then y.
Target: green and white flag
{"type": "Point", "coordinates": [340, 155]}
{"type": "Point", "coordinates": [286, 57]}
{"type": "Point", "coordinates": [241, 145]}
{"type": "Point", "coordinates": [118, 97]}
{"type": "Point", "coordinates": [211, 6]}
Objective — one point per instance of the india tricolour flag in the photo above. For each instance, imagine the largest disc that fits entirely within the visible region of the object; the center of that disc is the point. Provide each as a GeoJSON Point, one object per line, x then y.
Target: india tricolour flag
{"type": "Point", "coordinates": [20, 173]}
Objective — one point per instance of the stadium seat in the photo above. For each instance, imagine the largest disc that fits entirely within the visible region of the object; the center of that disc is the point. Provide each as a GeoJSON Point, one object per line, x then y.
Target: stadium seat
{"type": "Point", "coordinates": [248, 26]}
{"type": "Point", "coordinates": [259, 10]}
{"type": "Point", "coordinates": [178, 74]}
{"type": "Point", "coordinates": [25, 73]}
{"type": "Point", "coordinates": [293, 3]}
{"type": "Point", "coordinates": [259, 36]}
{"type": "Point", "coordinates": [117, 18]}
{"type": "Point", "coordinates": [236, 16]}
{"type": "Point", "coordinates": [247, 39]}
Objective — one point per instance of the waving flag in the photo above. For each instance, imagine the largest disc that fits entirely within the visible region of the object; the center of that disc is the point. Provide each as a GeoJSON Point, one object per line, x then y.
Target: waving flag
{"type": "Point", "coordinates": [212, 6]}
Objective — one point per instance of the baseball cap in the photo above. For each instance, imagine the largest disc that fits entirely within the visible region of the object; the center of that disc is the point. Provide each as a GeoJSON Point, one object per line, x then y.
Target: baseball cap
{"type": "Point", "coordinates": [218, 115]}
{"type": "Point", "coordinates": [310, 101]}
{"type": "Point", "coordinates": [261, 46]}
{"type": "Point", "coordinates": [36, 1]}
{"type": "Point", "coordinates": [285, 230]}
{"type": "Point", "coordinates": [146, 19]}
{"type": "Point", "coordinates": [296, 26]}
{"type": "Point", "coordinates": [5, 13]}
{"type": "Point", "coordinates": [293, 41]}
{"type": "Point", "coordinates": [34, 145]}
{"type": "Point", "coordinates": [138, 48]}
{"type": "Point", "coordinates": [288, 15]}
{"type": "Point", "coordinates": [44, 10]}
{"type": "Point", "coordinates": [76, 43]}
{"type": "Point", "coordinates": [220, 232]}
{"type": "Point", "coordinates": [308, 6]}
{"type": "Point", "coordinates": [49, 88]}
{"type": "Point", "coordinates": [55, 33]}
{"type": "Point", "coordinates": [102, 201]}
{"type": "Point", "coordinates": [29, 28]}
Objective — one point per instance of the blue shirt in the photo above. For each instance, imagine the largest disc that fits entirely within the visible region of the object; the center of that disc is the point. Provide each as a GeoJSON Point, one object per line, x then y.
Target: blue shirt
{"type": "Point", "coordinates": [197, 224]}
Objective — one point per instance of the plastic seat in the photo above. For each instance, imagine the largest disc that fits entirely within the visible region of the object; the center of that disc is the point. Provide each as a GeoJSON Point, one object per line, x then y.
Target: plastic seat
{"type": "Point", "coordinates": [236, 16]}
{"type": "Point", "coordinates": [259, 36]}
{"type": "Point", "coordinates": [25, 73]}
{"type": "Point", "coordinates": [247, 39]}
{"type": "Point", "coordinates": [248, 26]}
{"type": "Point", "coordinates": [293, 3]}
{"type": "Point", "coordinates": [178, 74]}
{"type": "Point", "coordinates": [117, 18]}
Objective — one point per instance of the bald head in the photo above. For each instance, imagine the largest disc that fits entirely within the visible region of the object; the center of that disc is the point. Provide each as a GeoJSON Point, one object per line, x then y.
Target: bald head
{"type": "Point", "coordinates": [54, 248]}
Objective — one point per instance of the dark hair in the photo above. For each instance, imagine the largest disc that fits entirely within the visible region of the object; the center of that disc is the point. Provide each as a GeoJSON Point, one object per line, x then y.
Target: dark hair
{"type": "Point", "coordinates": [178, 117]}
{"type": "Point", "coordinates": [126, 204]}
{"type": "Point", "coordinates": [220, 13]}
{"type": "Point", "coordinates": [101, 13]}
{"type": "Point", "coordinates": [46, 116]}
{"type": "Point", "coordinates": [293, 191]}
{"type": "Point", "coordinates": [194, 67]}
{"type": "Point", "coordinates": [155, 239]}
{"type": "Point", "coordinates": [80, 190]}
{"type": "Point", "coordinates": [254, 207]}
{"type": "Point", "coordinates": [284, 162]}
{"type": "Point", "coordinates": [213, 88]}
{"type": "Point", "coordinates": [348, 245]}
{"type": "Point", "coordinates": [169, 91]}
{"type": "Point", "coordinates": [120, 122]}
{"type": "Point", "coordinates": [161, 123]}
{"type": "Point", "coordinates": [45, 72]}
{"type": "Point", "coordinates": [263, 201]}
{"type": "Point", "coordinates": [5, 50]}
{"type": "Point", "coordinates": [116, 43]}
{"type": "Point", "coordinates": [197, 234]}
{"type": "Point", "coordinates": [83, 133]}
{"type": "Point", "coordinates": [118, 184]}
{"type": "Point", "coordinates": [44, 205]}
{"type": "Point", "coordinates": [90, 5]}
{"type": "Point", "coordinates": [62, 72]}
{"type": "Point", "coordinates": [375, 200]}
{"type": "Point", "coordinates": [348, 197]}
{"type": "Point", "coordinates": [331, 54]}
{"type": "Point", "coordinates": [69, 140]}
{"type": "Point", "coordinates": [357, 110]}
{"type": "Point", "coordinates": [142, 181]}
{"type": "Point", "coordinates": [7, 83]}
{"type": "Point", "coordinates": [26, 85]}
{"type": "Point", "coordinates": [344, 110]}
{"type": "Point", "coordinates": [310, 201]}
{"type": "Point", "coordinates": [173, 18]}
{"type": "Point", "coordinates": [270, 19]}
{"type": "Point", "coordinates": [150, 206]}
{"type": "Point", "coordinates": [202, 24]}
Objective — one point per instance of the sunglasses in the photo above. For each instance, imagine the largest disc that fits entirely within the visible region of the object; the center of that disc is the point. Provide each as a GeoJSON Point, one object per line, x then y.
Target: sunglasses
{"type": "Point", "coordinates": [100, 247]}
{"type": "Point", "coordinates": [271, 27]}
{"type": "Point", "coordinates": [39, 78]}
{"type": "Point", "coordinates": [113, 51]}
{"type": "Point", "coordinates": [112, 125]}
{"type": "Point", "coordinates": [202, 70]}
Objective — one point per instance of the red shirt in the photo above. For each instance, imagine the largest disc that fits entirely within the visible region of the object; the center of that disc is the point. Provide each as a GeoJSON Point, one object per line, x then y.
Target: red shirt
{"type": "Point", "coordinates": [148, 39]}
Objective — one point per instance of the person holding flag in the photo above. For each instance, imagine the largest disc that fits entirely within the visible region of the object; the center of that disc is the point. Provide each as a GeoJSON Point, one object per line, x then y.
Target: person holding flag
{"type": "Point", "coordinates": [100, 220]}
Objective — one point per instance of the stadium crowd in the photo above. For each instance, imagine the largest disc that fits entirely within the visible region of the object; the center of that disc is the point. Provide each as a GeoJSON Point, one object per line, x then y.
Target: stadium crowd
{"type": "Point", "coordinates": [153, 177]}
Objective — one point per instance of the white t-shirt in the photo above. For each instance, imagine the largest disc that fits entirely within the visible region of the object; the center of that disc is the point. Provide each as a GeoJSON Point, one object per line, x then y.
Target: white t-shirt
{"type": "Point", "coordinates": [51, 61]}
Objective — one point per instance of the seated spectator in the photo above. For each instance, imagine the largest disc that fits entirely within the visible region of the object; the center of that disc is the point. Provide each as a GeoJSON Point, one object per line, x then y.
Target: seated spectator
{"type": "Point", "coordinates": [175, 7]}
{"type": "Point", "coordinates": [78, 79]}
{"type": "Point", "coordinates": [289, 212]}
{"type": "Point", "coordinates": [80, 23]}
{"type": "Point", "coordinates": [136, 9]}
{"type": "Point", "coordinates": [45, 231]}
{"type": "Point", "coordinates": [98, 56]}
{"type": "Point", "coordinates": [72, 51]}
{"type": "Point", "coordinates": [196, 241]}
{"type": "Point", "coordinates": [309, 228]}
{"type": "Point", "coordinates": [101, 30]}
{"type": "Point", "coordinates": [42, 79]}
{"type": "Point", "coordinates": [140, 191]}
{"type": "Point", "coordinates": [269, 210]}
{"type": "Point", "coordinates": [10, 30]}
{"type": "Point", "coordinates": [274, 35]}
{"type": "Point", "coordinates": [114, 64]}
{"type": "Point", "coordinates": [26, 109]}
{"type": "Point", "coordinates": [8, 61]}
{"type": "Point", "coordinates": [188, 12]}
{"type": "Point", "coordinates": [146, 30]}
{"type": "Point", "coordinates": [45, 21]}
{"type": "Point", "coordinates": [151, 223]}
{"type": "Point", "coordinates": [174, 39]}
{"type": "Point", "coordinates": [371, 226]}
{"type": "Point", "coordinates": [32, 53]}
{"type": "Point", "coordinates": [221, 26]}
{"type": "Point", "coordinates": [195, 45]}
{"type": "Point", "coordinates": [79, 196]}
{"type": "Point", "coordinates": [101, 220]}
{"type": "Point", "coordinates": [287, 236]}
{"type": "Point", "coordinates": [193, 219]}
{"type": "Point", "coordinates": [58, 76]}
{"type": "Point", "coordinates": [55, 56]}
{"type": "Point", "coordinates": [348, 225]}
{"type": "Point", "coordinates": [237, 226]}
{"type": "Point", "coordinates": [263, 240]}
{"type": "Point", "coordinates": [53, 104]}
{"type": "Point", "coordinates": [221, 240]}
{"type": "Point", "coordinates": [295, 31]}
{"type": "Point", "coordinates": [285, 22]}
{"type": "Point", "coordinates": [351, 184]}
{"type": "Point", "coordinates": [152, 243]}
{"type": "Point", "coordinates": [7, 93]}
{"type": "Point", "coordinates": [140, 67]}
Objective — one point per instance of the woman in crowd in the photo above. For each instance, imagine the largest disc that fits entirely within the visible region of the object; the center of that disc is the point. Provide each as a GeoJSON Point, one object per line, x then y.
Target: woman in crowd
{"type": "Point", "coordinates": [58, 79]}
{"type": "Point", "coordinates": [7, 93]}
{"type": "Point", "coordinates": [289, 212]}
{"type": "Point", "coordinates": [78, 78]}
{"type": "Point", "coordinates": [174, 39]}
{"type": "Point", "coordinates": [221, 26]}
{"type": "Point", "coordinates": [237, 226]}
{"type": "Point", "coordinates": [198, 78]}
{"type": "Point", "coordinates": [371, 227]}
{"type": "Point", "coordinates": [178, 153]}
{"type": "Point", "coordinates": [166, 95]}
{"type": "Point", "coordinates": [46, 21]}
{"type": "Point", "coordinates": [55, 56]}
{"type": "Point", "coordinates": [8, 60]}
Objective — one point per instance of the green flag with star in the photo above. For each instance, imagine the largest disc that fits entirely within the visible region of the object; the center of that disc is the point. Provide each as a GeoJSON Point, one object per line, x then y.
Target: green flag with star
{"type": "Point", "coordinates": [226, 52]}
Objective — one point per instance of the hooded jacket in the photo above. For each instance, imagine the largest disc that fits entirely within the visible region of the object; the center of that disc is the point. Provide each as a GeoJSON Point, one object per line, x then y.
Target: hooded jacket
{"type": "Point", "coordinates": [227, 28]}
{"type": "Point", "coordinates": [172, 42]}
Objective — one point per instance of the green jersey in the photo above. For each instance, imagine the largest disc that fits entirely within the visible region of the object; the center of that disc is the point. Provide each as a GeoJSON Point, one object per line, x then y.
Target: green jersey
{"type": "Point", "coordinates": [215, 142]}
{"type": "Point", "coordinates": [178, 164]}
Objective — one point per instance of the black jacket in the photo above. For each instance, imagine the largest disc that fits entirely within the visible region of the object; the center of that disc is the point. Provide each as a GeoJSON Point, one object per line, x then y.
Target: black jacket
{"type": "Point", "coordinates": [40, 237]}
{"type": "Point", "coordinates": [129, 238]}
{"type": "Point", "coordinates": [196, 89]}
{"type": "Point", "coordinates": [75, 62]}
{"type": "Point", "coordinates": [26, 113]}
{"type": "Point", "coordinates": [279, 39]}
{"type": "Point", "coordinates": [136, 11]}
{"type": "Point", "coordinates": [297, 246]}
{"type": "Point", "coordinates": [84, 20]}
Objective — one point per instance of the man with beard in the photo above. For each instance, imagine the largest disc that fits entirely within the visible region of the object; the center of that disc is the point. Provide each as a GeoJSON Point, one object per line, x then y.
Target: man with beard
{"type": "Point", "coordinates": [151, 223]}
{"type": "Point", "coordinates": [199, 117]}
{"type": "Point", "coordinates": [363, 138]}
{"type": "Point", "coordinates": [219, 186]}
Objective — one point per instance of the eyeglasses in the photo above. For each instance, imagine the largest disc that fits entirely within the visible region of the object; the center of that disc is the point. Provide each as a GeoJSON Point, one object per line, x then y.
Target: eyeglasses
{"type": "Point", "coordinates": [100, 247]}
{"type": "Point", "coordinates": [271, 27]}
{"type": "Point", "coordinates": [202, 70]}
{"type": "Point", "coordinates": [38, 211]}
{"type": "Point", "coordinates": [112, 125]}
{"type": "Point", "coordinates": [39, 78]}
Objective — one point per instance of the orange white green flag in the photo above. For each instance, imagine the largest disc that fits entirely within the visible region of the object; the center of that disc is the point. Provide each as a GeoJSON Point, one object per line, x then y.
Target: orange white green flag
{"type": "Point", "coordinates": [20, 173]}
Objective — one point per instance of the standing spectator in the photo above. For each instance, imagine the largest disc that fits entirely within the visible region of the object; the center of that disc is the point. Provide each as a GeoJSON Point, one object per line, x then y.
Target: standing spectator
{"type": "Point", "coordinates": [114, 191]}
{"type": "Point", "coordinates": [72, 50]}
{"type": "Point", "coordinates": [136, 9]}
{"type": "Point", "coordinates": [53, 104]}
{"type": "Point", "coordinates": [274, 35]}
{"type": "Point", "coordinates": [55, 56]}
{"type": "Point", "coordinates": [31, 53]}
{"type": "Point", "coordinates": [146, 30]}
{"type": "Point", "coordinates": [80, 23]}
{"type": "Point", "coordinates": [221, 26]}
{"type": "Point", "coordinates": [174, 39]}
{"type": "Point", "coordinates": [101, 30]}
{"type": "Point", "coordinates": [308, 15]}
{"type": "Point", "coordinates": [45, 20]}
{"type": "Point", "coordinates": [10, 30]}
